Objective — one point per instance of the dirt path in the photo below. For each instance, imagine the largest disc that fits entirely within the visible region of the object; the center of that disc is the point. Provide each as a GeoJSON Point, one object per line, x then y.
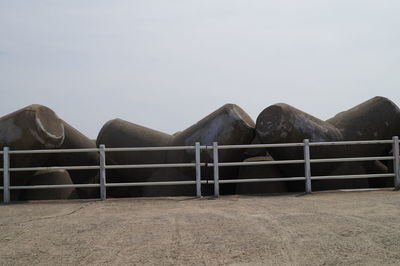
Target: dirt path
{"type": "Point", "coordinates": [327, 228]}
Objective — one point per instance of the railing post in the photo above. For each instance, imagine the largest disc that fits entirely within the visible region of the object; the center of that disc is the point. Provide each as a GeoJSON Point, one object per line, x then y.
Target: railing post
{"type": "Point", "coordinates": [307, 165]}
{"type": "Point", "coordinates": [103, 190]}
{"type": "Point", "coordinates": [216, 169]}
{"type": "Point", "coordinates": [396, 162]}
{"type": "Point", "coordinates": [6, 175]}
{"type": "Point", "coordinates": [198, 169]}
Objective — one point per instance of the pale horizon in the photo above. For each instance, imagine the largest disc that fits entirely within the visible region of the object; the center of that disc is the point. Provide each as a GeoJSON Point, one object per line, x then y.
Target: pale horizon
{"type": "Point", "coordinates": [166, 65]}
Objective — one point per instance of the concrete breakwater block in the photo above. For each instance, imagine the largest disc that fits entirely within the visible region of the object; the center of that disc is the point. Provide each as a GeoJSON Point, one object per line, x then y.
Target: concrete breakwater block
{"type": "Point", "coordinates": [38, 127]}
{"type": "Point", "coordinates": [260, 171]}
{"type": "Point", "coordinates": [30, 128]}
{"type": "Point", "coordinates": [282, 123]}
{"type": "Point", "coordinates": [119, 133]}
{"type": "Point", "coordinates": [73, 139]}
{"type": "Point", "coordinates": [229, 124]}
{"type": "Point", "coordinates": [51, 177]}
{"type": "Point", "coordinates": [375, 119]}
{"type": "Point", "coordinates": [167, 175]}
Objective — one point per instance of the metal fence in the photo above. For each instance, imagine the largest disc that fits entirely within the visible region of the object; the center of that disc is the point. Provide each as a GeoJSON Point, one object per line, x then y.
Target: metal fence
{"type": "Point", "coordinates": [102, 167]}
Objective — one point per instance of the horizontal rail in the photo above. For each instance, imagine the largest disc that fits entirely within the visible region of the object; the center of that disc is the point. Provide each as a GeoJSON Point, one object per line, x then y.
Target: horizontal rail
{"type": "Point", "coordinates": [282, 145]}
{"type": "Point", "coordinates": [351, 176]}
{"type": "Point", "coordinates": [170, 165]}
{"type": "Point", "coordinates": [352, 159]}
{"type": "Point", "coordinates": [47, 168]}
{"type": "Point", "coordinates": [221, 147]}
{"type": "Point", "coordinates": [225, 181]}
{"type": "Point", "coordinates": [249, 146]}
{"type": "Point", "coordinates": [203, 182]}
{"type": "Point", "coordinates": [55, 186]}
{"type": "Point", "coordinates": [169, 148]}
{"type": "Point", "coordinates": [258, 163]}
{"type": "Point", "coordinates": [53, 151]}
{"type": "Point", "coordinates": [355, 142]}
{"type": "Point", "coordinates": [254, 180]}
{"type": "Point", "coordinates": [167, 183]}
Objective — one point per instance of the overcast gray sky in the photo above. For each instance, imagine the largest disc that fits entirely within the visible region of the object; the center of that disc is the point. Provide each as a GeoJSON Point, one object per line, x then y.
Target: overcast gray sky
{"type": "Point", "coordinates": [166, 64]}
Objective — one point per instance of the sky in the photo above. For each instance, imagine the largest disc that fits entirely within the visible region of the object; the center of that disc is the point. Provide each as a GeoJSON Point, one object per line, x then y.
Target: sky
{"type": "Point", "coordinates": [167, 64]}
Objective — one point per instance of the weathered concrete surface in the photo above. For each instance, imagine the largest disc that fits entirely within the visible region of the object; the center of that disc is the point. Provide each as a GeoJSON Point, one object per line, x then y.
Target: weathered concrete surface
{"type": "Point", "coordinates": [38, 127]}
{"type": "Point", "coordinates": [377, 167]}
{"type": "Point", "coordinates": [227, 125]}
{"type": "Point", "coordinates": [357, 228]}
{"type": "Point", "coordinates": [260, 171]}
{"type": "Point", "coordinates": [164, 175]}
{"type": "Point", "coordinates": [282, 123]}
{"type": "Point", "coordinates": [32, 127]}
{"type": "Point", "coordinates": [255, 152]}
{"type": "Point", "coordinates": [346, 168]}
{"type": "Point", "coordinates": [76, 140]}
{"type": "Point", "coordinates": [119, 133]}
{"type": "Point", "coordinates": [51, 177]}
{"type": "Point", "coordinates": [375, 119]}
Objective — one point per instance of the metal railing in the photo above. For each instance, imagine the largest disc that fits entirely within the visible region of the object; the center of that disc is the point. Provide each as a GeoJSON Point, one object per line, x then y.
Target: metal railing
{"type": "Point", "coordinates": [102, 167]}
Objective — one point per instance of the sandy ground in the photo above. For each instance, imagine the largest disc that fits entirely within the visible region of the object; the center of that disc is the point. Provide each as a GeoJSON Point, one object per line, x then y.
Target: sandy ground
{"type": "Point", "coordinates": [326, 228]}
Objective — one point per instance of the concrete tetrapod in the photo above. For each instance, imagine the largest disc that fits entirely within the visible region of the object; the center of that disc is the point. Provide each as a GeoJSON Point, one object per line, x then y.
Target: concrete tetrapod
{"type": "Point", "coordinates": [227, 125]}
{"type": "Point", "coordinates": [255, 152]}
{"type": "Point", "coordinates": [76, 140]}
{"type": "Point", "coordinates": [119, 133]}
{"type": "Point", "coordinates": [260, 171]}
{"type": "Point", "coordinates": [282, 123]}
{"type": "Point", "coordinates": [377, 167]}
{"type": "Point", "coordinates": [167, 175]}
{"type": "Point", "coordinates": [32, 127]}
{"type": "Point", "coordinates": [375, 119]}
{"type": "Point", "coordinates": [52, 177]}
